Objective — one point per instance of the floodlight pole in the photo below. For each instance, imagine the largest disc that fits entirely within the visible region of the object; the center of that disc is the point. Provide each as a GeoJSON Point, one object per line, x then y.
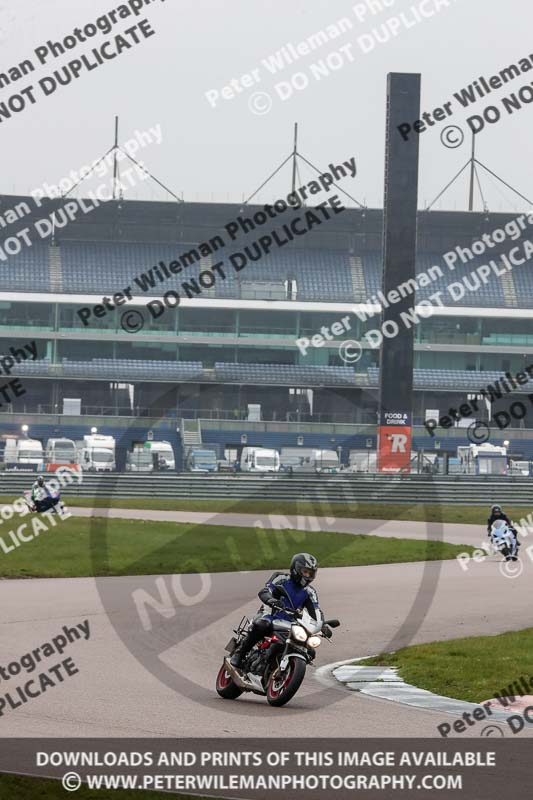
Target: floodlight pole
{"type": "Point", "coordinates": [472, 173]}
{"type": "Point", "coordinates": [294, 157]}
{"type": "Point", "coordinates": [473, 163]}
{"type": "Point", "coordinates": [115, 160]}
{"type": "Point", "coordinates": [116, 173]}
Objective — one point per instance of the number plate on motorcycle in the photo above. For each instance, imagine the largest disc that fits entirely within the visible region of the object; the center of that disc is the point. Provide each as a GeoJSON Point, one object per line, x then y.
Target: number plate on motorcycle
{"type": "Point", "coordinates": [230, 647]}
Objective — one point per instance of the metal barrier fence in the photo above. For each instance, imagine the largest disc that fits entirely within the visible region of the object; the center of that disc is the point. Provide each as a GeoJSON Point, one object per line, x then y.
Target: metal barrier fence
{"type": "Point", "coordinates": [451, 490]}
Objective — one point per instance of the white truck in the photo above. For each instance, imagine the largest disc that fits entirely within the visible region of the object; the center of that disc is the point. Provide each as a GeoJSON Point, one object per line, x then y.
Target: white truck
{"type": "Point", "coordinates": [23, 454]}
{"type": "Point", "coordinates": [97, 453]}
{"type": "Point", "coordinates": [30, 451]}
{"type": "Point", "coordinates": [164, 452]}
{"type": "Point", "coordinates": [61, 452]}
{"type": "Point", "coordinates": [139, 460]}
{"type": "Point", "coordinates": [259, 459]}
{"type": "Point", "coordinates": [326, 461]}
{"type": "Point", "coordinates": [295, 459]}
{"type": "Point", "coordinates": [308, 459]}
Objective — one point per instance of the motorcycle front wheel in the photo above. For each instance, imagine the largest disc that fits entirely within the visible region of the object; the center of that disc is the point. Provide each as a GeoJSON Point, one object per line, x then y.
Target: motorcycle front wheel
{"type": "Point", "coordinates": [282, 686]}
{"type": "Point", "coordinates": [226, 687]}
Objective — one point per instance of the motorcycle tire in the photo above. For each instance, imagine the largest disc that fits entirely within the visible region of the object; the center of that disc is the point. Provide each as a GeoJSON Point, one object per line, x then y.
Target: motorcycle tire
{"type": "Point", "coordinates": [282, 686]}
{"type": "Point", "coordinates": [226, 687]}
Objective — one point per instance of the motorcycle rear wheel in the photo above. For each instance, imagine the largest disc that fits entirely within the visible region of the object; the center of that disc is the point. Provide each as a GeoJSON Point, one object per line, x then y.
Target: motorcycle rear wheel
{"type": "Point", "coordinates": [226, 687]}
{"type": "Point", "coordinates": [282, 686]}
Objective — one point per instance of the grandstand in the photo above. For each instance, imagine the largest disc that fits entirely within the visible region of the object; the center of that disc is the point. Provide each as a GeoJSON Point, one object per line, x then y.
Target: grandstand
{"type": "Point", "coordinates": [234, 344]}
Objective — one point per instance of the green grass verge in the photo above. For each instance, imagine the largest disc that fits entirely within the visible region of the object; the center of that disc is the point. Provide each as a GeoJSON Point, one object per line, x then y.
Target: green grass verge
{"type": "Point", "coordinates": [15, 787]}
{"type": "Point", "coordinates": [476, 515]}
{"type": "Point", "coordinates": [474, 669]}
{"type": "Point", "coordinates": [79, 547]}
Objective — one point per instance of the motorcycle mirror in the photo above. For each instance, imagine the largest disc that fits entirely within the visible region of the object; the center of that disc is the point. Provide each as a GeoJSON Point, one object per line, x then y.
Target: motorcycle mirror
{"type": "Point", "coordinates": [333, 623]}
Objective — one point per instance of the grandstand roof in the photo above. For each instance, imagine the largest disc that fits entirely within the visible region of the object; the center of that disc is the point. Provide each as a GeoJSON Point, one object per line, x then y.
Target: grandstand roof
{"type": "Point", "coordinates": [150, 221]}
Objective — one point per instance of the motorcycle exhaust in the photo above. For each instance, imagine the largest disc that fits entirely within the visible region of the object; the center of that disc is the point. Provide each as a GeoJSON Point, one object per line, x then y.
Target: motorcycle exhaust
{"type": "Point", "coordinates": [238, 678]}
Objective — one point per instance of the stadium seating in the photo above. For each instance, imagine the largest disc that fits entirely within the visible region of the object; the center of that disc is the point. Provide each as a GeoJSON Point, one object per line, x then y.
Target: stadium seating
{"type": "Point", "coordinates": [286, 374]}
{"type": "Point", "coordinates": [450, 379]}
{"type": "Point", "coordinates": [488, 294]}
{"type": "Point", "coordinates": [108, 267]}
{"type": "Point", "coordinates": [114, 369]}
{"type": "Point", "coordinates": [372, 268]}
{"type": "Point", "coordinates": [136, 369]}
{"type": "Point", "coordinates": [272, 374]}
{"type": "Point", "coordinates": [29, 271]}
{"type": "Point", "coordinates": [320, 274]}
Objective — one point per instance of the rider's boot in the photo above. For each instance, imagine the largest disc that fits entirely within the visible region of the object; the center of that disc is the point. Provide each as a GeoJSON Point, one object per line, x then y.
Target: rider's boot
{"type": "Point", "coordinates": [236, 658]}
{"type": "Point", "coordinates": [242, 649]}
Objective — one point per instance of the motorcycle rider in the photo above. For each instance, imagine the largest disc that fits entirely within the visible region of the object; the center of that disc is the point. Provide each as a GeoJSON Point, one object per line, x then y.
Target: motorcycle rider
{"type": "Point", "coordinates": [296, 583]}
{"type": "Point", "coordinates": [41, 495]}
{"type": "Point", "coordinates": [496, 513]}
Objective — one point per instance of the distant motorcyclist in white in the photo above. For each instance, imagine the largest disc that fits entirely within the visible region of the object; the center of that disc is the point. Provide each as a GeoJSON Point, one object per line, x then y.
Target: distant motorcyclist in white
{"type": "Point", "coordinates": [42, 497]}
{"type": "Point", "coordinates": [502, 533]}
{"type": "Point", "coordinates": [497, 513]}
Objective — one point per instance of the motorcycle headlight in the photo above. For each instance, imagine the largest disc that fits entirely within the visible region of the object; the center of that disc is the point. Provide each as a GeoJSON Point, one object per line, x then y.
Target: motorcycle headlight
{"type": "Point", "coordinates": [299, 633]}
{"type": "Point", "coordinates": [314, 641]}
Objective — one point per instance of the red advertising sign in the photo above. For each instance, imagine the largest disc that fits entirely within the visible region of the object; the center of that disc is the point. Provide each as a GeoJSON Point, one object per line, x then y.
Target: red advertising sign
{"type": "Point", "coordinates": [394, 443]}
{"type": "Point", "coordinates": [55, 467]}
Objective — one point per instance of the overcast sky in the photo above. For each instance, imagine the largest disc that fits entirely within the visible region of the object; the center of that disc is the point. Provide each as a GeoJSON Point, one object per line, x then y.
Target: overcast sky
{"type": "Point", "coordinates": [225, 153]}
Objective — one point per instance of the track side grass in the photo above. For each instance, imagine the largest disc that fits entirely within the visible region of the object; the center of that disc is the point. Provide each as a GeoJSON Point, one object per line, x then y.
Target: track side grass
{"type": "Point", "coordinates": [79, 547]}
{"type": "Point", "coordinates": [473, 669]}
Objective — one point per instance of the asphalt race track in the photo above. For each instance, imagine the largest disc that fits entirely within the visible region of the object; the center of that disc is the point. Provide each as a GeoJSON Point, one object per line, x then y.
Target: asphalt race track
{"type": "Point", "coordinates": [379, 607]}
